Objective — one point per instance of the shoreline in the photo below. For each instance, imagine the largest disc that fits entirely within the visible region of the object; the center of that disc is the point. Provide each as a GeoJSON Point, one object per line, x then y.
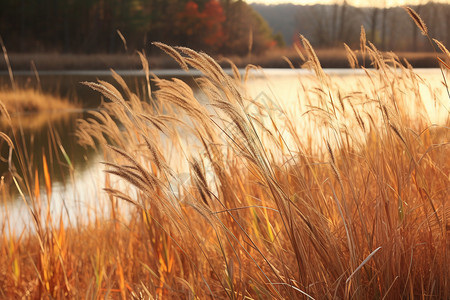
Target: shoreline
{"type": "Point", "coordinates": [195, 73]}
{"type": "Point", "coordinates": [330, 59]}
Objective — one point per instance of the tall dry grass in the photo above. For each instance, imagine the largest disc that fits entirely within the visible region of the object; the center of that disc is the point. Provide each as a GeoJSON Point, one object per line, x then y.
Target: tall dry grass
{"type": "Point", "coordinates": [270, 210]}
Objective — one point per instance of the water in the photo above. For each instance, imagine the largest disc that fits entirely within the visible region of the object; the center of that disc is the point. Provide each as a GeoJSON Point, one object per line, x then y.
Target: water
{"type": "Point", "coordinates": [77, 181]}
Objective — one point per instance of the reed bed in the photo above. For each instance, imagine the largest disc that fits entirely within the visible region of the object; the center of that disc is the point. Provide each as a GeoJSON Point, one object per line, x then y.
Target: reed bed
{"type": "Point", "coordinates": [32, 109]}
{"type": "Point", "coordinates": [268, 209]}
{"type": "Point", "coordinates": [33, 101]}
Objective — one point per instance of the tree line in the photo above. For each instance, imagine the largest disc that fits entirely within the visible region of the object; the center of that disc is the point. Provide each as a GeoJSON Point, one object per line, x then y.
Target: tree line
{"type": "Point", "coordinates": [93, 26]}
{"type": "Point", "coordinates": [389, 28]}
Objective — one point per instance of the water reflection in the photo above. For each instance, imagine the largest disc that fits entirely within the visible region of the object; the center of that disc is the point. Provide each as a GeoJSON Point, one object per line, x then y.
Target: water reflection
{"type": "Point", "coordinates": [39, 135]}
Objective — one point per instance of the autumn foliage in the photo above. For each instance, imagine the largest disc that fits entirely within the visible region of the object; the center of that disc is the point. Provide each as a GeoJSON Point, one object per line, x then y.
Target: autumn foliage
{"type": "Point", "coordinates": [89, 26]}
{"type": "Point", "coordinates": [208, 22]}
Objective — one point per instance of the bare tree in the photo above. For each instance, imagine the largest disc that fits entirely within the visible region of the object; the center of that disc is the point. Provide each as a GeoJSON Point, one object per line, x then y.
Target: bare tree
{"type": "Point", "coordinates": [383, 25]}
{"type": "Point", "coordinates": [342, 21]}
{"type": "Point", "coordinates": [373, 23]}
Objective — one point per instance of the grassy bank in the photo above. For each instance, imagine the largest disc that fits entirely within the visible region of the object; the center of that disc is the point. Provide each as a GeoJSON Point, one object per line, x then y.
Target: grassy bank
{"type": "Point", "coordinates": [33, 101]}
{"type": "Point", "coordinates": [355, 206]}
{"type": "Point", "coordinates": [329, 58]}
{"type": "Point", "coordinates": [31, 108]}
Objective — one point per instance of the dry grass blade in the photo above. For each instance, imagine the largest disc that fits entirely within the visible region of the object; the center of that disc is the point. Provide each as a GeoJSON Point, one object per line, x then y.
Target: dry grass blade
{"type": "Point", "coordinates": [234, 68]}
{"type": "Point", "coordinates": [146, 69]}
{"type": "Point", "coordinates": [289, 62]}
{"type": "Point", "coordinates": [122, 83]}
{"type": "Point", "coordinates": [121, 195]}
{"type": "Point", "coordinates": [299, 52]}
{"type": "Point", "coordinates": [248, 69]}
{"type": "Point", "coordinates": [351, 57]}
{"type": "Point", "coordinates": [8, 64]}
{"type": "Point", "coordinates": [397, 132]}
{"type": "Point", "coordinates": [124, 41]}
{"type": "Point", "coordinates": [206, 64]}
{"type": "Point", "coordinates": [417, 19]}
{"type": "Point", "coordinates": [310, 51]}
{"type": "Point", "coordinates": [442, 47]}
{"type": "Point", "coordinates": [173, 53]}
{"type": "Point", "coordinates": [443, 63]}
{"type": "Point", "coordinates": [10, 151]}
{"type": "Point", "coordinates": [296, 289]}
{"type": "Point", "coordinates": [7, 139]}
{"type": "Point", "coordinates": [110, 94]}
{"type": "Point", "coordinates": [362, 40]}
{"type": "Point", "coordinates": [362, 264]}
{"type": "Point", "coordinates": [4, 111]}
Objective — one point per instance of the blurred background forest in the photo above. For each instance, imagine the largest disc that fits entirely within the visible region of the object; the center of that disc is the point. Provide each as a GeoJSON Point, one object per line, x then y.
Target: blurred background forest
{"type": "Point", "coordinates": [225, 26]}
{"type": "Point", "coordinates": [90, 26]}
{"type": "Point", "coordinates": [389, 28]}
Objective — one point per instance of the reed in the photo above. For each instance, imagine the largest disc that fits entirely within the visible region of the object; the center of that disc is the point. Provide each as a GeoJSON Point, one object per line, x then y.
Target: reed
{"type": "Point", "coordinates": [352, 207]}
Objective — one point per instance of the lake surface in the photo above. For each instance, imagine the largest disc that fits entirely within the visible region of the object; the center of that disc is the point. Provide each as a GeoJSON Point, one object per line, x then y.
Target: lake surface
{"type": "Point", "coordinates": [78, 178]}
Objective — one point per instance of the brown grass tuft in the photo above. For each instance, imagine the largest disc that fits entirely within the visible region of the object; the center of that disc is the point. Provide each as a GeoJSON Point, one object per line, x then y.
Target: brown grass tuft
{"type": "Point", "coordinates": [32, 101]}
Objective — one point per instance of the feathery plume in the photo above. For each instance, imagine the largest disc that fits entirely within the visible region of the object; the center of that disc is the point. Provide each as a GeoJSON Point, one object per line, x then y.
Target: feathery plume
{"type": "Point", "coordinates": [417, 19]}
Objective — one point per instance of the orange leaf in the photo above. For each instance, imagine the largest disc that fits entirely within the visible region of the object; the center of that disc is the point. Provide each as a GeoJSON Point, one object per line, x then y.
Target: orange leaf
{"type": "Point", "coordinates": [37, 191]}
{"type": "Point", "coordinates": [48, 182]}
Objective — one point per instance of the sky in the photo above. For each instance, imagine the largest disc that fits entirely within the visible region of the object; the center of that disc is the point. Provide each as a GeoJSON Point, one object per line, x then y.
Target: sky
{"type": "Point", "coordinates": [352, 2]}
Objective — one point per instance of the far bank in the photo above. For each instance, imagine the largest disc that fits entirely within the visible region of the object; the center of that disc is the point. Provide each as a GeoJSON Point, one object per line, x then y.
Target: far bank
{"type": "Point", "coordinates": [329, 58]}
